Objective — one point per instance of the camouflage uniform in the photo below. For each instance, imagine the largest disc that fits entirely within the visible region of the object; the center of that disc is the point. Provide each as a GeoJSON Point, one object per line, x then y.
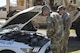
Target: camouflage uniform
{"type": "Point", "coordinates": [55, 31]}
{"type": "Point", "coordinates": [67, 24]}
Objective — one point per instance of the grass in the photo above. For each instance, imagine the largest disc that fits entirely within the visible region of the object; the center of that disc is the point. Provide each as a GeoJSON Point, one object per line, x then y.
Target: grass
{"type": "Point", "coordinates": [72, 31]}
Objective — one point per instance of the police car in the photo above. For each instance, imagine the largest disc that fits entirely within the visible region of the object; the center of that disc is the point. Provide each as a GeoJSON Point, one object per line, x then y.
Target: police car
{"type": "Point", "coordinates": [18, 35]}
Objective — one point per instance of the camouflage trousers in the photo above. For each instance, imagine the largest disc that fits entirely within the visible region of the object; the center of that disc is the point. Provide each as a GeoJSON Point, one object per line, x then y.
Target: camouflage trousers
{"type": "Point", "coordinates": [55, 47]}
{"type": "Point", "coordinates": [55, 44]}
{"type": "Point", "coordinates": [64, 42]}
{"type": "Point", "coordinates": [59, 46]}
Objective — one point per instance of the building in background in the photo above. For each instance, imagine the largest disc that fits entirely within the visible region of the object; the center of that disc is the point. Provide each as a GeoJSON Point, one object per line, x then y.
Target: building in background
{"type": "Point", "coordinates": [24, 4]}
{"type": "Point", "coordinates": [19, 5]}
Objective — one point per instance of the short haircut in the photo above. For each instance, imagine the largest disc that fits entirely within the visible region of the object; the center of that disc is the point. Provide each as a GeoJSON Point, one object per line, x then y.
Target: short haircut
{"type": "Point", "coordinates": [45, 8]}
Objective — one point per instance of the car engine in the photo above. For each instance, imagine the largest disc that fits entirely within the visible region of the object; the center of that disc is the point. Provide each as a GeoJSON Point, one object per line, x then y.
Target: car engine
{"type": "Point", "coordinates": [26, 37]}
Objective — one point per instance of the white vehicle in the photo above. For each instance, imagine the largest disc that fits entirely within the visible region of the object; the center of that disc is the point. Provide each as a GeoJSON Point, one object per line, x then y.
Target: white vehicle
{"type": "Point", "coordinates": [18, 35]}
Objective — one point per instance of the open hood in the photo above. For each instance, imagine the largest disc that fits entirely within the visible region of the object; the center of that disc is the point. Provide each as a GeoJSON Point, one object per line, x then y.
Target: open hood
{"type": "Point", "coordinates": [24, 17]}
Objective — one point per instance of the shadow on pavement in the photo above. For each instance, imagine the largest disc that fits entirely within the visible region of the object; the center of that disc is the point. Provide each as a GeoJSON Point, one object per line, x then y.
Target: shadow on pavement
{"type": "Point", "coordinates": [74, 44]}
{"type": "Point", "coordinates": [74, 41]}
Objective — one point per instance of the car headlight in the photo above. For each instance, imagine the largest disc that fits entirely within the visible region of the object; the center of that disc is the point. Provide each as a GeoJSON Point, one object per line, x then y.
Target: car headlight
{"type": "Point", "coordinates": [36, 49]}
{"type": "Point", "coordinates": [26, 50]}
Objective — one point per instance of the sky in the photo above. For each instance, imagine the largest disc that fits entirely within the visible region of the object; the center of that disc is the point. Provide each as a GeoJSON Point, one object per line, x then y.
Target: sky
{"type": "Point", "coordinates": [3, 2]}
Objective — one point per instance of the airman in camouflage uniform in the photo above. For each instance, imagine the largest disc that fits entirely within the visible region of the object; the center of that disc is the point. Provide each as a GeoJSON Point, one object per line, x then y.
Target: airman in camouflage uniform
{"type": "Point", "coordinates": [55, 31]}
{"type": "Point", "coordinates": [67, 22]}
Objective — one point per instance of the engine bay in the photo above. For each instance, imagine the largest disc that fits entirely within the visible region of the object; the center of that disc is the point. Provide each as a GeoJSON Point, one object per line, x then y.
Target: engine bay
{"type": "Point", "coordinates": [27, 37]}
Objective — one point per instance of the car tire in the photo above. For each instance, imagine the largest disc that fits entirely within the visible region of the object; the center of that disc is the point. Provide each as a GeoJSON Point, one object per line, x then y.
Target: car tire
{"type": "Point", "coordinates": [7, 51]}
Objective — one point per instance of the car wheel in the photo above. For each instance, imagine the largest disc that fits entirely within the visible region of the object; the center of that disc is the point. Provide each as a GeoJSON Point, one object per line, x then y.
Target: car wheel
{"type": "Point", "coordinates": [7, 51]}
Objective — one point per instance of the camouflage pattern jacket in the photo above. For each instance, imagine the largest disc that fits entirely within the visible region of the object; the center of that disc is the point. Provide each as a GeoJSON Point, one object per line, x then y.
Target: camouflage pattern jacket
{"type": "Point", "coordinates": [55, 28]}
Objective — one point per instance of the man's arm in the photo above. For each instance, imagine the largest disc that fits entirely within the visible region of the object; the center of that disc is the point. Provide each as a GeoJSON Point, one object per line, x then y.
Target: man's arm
{"type": "Point", "coordinates": [67, 21]}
